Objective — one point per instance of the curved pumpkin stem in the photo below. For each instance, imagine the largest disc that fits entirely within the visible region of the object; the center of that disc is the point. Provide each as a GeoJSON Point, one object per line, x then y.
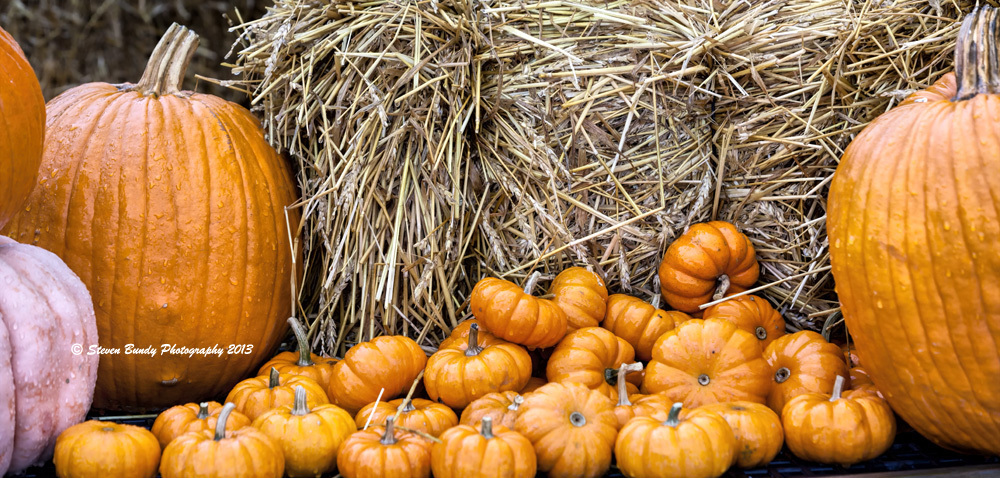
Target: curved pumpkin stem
{"type": "Point", "coordinates": [487, 430]}
{"type": "Point", "coordinates": [473, 349]}
{"type": "Point", "coordinates": [220, 425]}
{"type": "Point", "coordinates": [389, 437]}
{"type": "Point", "coordinates": [529, 285]}
{"type": "Point", "coordinates": [838, 388]}
{"type": "Point", "coordinates": [673, 418]}
{"type": "Point", "coordinates": [623, 400]}
{"type": "Point", "coordinates": [168, 63]}
{"type": "Point", "coordinates": [515, 403]}
{"type": "Point", "coordinates": [202, 410]}
{"type": "Point", "coordinates": [274, 379]}
{"type": "Point", "coordinates": [977, 54]}
{"type": "Point", "coordinates": [299, 406]}
{"type": "Point", "coordinates": [302, 338]}
{"type": "Point", "coordinates": [722, 288]}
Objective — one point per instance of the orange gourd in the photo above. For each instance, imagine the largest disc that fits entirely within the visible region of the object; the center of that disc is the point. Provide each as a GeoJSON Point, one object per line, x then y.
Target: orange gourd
{"type": "Point", "coordinates": [689, 443]}
{"type": "Point", "coordinates": [502, 408]}
{"type": "Point", "coordinates": [415, 414]}
{"type": "Point", "coordinates": [490, 452]}
{"type": "Point", "coordinates": [193, 417]}
{"type": "Point", "coordinates": [514, 315]}
{"type": "Point", "coordinates": [464, 371]}
{"type": "Point", "coordinates": [705, 263]}
{"type": "Point", "coordinates": [750, 313]}
{"type": "Point", "coordinates": [757, 430]}
{"type": "Point", "coordinates": [302, 361]}
{"type": "Point", "coordinates": [803, 362]}
{"type": "Point", "coordinates": [22, 125]}
{"type": "Point", "coordinates": [914, 235]}
{"type": "Point", "coordinates": [95, 449]}
{"type": "Point", "coordinates": [254, 396]}
{"type": "Point", "coordinates": [582, 295]}
{"type": "Point", "coordinates": [572, 428]}
{"type": "Point", "coordinates": [388, 362]}
{"type": "Point", "coordinates": [171, 207]}
{"type": "Point", "coordinates": [591, 356]}
{"type": "Point", "coordinates": [842, 428]}
{"type": "Point", "coordinates": [384, 452]}
{"type": "Point", "coordinates": [708, 361]}
{"type": "Point", "coordinates": [639, 323]}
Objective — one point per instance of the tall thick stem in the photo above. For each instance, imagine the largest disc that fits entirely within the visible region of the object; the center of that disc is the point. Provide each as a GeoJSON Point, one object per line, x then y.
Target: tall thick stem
{"type": "Point", "coordinates": [299, 405]}
{"type": "Point", "coordinates": [673, 418]}
{"type": "Point", "coordinates": [977, 55]}
{"type": "Point", "coordinates": [529, 285]}
{"type": "Point", "coordinates": [168, 63]}
{"type": "Point", "coordinates": [202, 410]}
{"type": "Point", "coordinates": [623, 371]}
{"type": "Point", "coordinates": [302, 339]}
{"type": "Point", "coordinates": [487, 430]}
{"type": "Point", "coordinates": [389, 437]}
{"type": "Point", "coordinates": [722, 288]}
{"type": "Point", "coordinates": [220, 425]}
{"type": "Point", "coordinates": [473, 349]}
{"type": "Point", "coordinates": [274, 379]}
{"type": "Point", "coordinates": [838, 388]}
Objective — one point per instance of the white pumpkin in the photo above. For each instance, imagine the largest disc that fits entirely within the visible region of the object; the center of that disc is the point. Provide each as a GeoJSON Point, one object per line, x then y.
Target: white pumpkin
{"type": "Point", "coordinates": [44, 386]}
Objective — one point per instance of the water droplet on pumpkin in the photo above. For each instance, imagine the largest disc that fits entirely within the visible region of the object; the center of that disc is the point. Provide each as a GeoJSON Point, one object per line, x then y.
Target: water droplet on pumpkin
{"type": "Point", "coordinates": [233, 281]}
{"type": "Point", "coordinates": [836, 243]}
{"type": "Point", "coordinates": [947, 226]}
{"type": "Point", "coordinates": [850, 241]}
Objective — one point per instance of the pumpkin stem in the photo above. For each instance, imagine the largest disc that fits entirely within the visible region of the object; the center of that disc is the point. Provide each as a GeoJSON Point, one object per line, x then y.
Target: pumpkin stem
{"type": "Point", "coordinates": [838, 388]}
{"type": "Point", "coordinates": [516, 403]}
{"type": "Point", "coordinates": [782, 374]}
{"type": "Point", "coordinates": [577, 419]}
{"type": "Point", "coordinates": [407, 406]}
{"type": "Point", "coordinates": [473, 349]}
{"type": "Point", "coordinates": [673, 418]}
{"type": "Point", "coordinates": [302, 338]}
{"type": "Point", "coordinates": [202, 410]}
{"type": "Point", "coordinates": [168, 63]}
{"type": "Point", "coordinates": [722, 288]}
{"type": "Point", "coordinates": [529, 286]}
{"type": "Point", "coordinates": [274, 379]}
{"type": "Point", "coordinates": [220, 425]}
{"type": "Point", "coordinates": [389, 437]}
{"type": "Point", "coordinates": [623, 400]}
{"type": "Point", "coordinates": [977, 54]}
{"type": "Point", "coordinates": [299, 405]}
{"type": "Point", "coordinates": [655, 301]}
{"type": "Point", "coordinates": [487, 431]}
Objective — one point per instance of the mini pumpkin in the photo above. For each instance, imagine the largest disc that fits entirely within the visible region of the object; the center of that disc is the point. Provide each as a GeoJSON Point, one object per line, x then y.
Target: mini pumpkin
{"type": "Point", "coordinates": [302, 361]}
{"type": "Point", "coordinates": [803, 362]}
{"type": "Point", "coordinates": [513, 314]}
{"type": "Point", "coordinates": [309, 438]}
{"type": "Point", "coordinates": [693, 444]}
{"type": "Point", "coordinates": [458, 374]}
{"type": "Point", "coordinates": [708, 361]}
{"type": "Point", "coordinates": [582, 295]}
{"type": "Point", "coordinates": [639, 323]}
{"type": "Point", "coordinates": [193, 417]}
{"type": "Point", "coordinates": [490, 452]}
{"type": "Point", "coordinates": [757, 430]}
{"type": "Point", "coordinates": [635, 405]}
{"type": "Point", "coordinates": [243, 453]}
{"type": "Point", "coordinates": [384, 452]}
{"type": "Point", "coordinates": [254, 396]}
{"type": "Point", "coordinates": [502, 408]}
{"type": "Point", "coordinates": [705, 263]}
{"type": "Point", "coordinates": [591, 356]}
{"type": "Point", "coordinates": [416, 414]}
{"type": "Point", "coordinates": [96, 449]}
{"type": "Point", "coordinates": [750, 313]}
{"type": "Point", "coordinates": [572, 429]}
{"type": "Point", "coordinates": [841, 427]}
{"type": "Point", "coordinates": [391, 363]}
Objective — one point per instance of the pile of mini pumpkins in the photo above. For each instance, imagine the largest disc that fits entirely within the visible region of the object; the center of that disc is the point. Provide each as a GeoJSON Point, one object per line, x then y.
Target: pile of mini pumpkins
{"type": "Point", "coordinates": [725, 389]}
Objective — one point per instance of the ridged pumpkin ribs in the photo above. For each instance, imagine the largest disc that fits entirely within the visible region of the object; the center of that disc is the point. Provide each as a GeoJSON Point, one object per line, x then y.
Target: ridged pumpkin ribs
{"type": "Point", "coordinates": [915, 243]}
{"type": "Point", "coordinates": [170, 206]}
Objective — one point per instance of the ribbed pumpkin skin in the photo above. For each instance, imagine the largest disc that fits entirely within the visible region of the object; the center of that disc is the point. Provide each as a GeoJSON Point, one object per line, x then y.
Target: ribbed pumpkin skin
{"type": "Point", "coordinates": [915, 246]}
{"type": "Point", "coordinates": [171, 211]}
{"type": "Point", "coordinates": [22, 127]}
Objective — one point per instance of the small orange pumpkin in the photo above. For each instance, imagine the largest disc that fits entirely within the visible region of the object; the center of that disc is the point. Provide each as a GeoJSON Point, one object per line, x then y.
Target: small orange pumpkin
{"type": "Point", "coordinates": [572, 428]}
{"type": "Point", "coordinates": [416, 414]}
{"type": "Point", "coordinates": [95, 449]}
{"type": "Point", "coordinates": [309, 438]}
{"type": "Point", "coordinates": [705, 263]}
{"type": "Point", "coordinates": [513, 314]}
{"type": "Point", "coordinates": [391, 363]}
{"type": "Point", "coordinates": [384, 453]}
{"type": "Point", "coordinates": [254, 396]}
{"type": "Point", "coordinates": [591, 356]}
{"type": "Point", "coordinates": [490, 452]}
{"type": "Point", "coordinates": [706, 361]}
{"type": "Point", "coordinates": [534, 383]}
{"type": "Point", "coordinates": [244, 453]}
{"type": "Point", "coordinates": [502, 408]}
{"type": "Point", "coordinates": [689, 443]}
{"type": "Point", "coordinates": [757, 429]}
{"type": "Point", "coordinates": [193, 417]}
{"type": "Point", "coordinates": [750, 313]}
{"type": "Point", "coordinates": [803, 362]}
{"type": "Point", "coordinates": [303, 361]}
{"type": "Point", "coordinates": [639, 323]}
{"type": "Point", "coordinates": [842, 428]}
{"type": "Point", "coordinates": [635, 405]}
{"type": "Point", "coordinates": [458, 374]}
{"type": "Point", "coordinates": [582, 295]}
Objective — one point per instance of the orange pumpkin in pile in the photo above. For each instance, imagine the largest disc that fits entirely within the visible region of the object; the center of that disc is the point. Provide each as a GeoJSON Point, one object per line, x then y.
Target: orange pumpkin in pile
{"type": "Point", "coordinates": [22, 125]}
{"type": "Point", "coordinates": [708, 361]}
{"type": "Point", "coordinates": [391, 363]}
{"type": "Point", "coordinates": [639, 323]}
{"type": "Point", "coordinates": [689, 443]}
{"type": "Point", "coordinates": [489, 452]}
{"type": "Point", "coordinates": [301, 362]}
{"type": "Point", "coordinates": [514, 315]}
{"type": "Point", "coordinates": [464, 371]}
{"type": "Point", "coordinates": [705, 263]}
{"type": "Point", "coordinates": [254, 396]}
{"type": "Point", "coordinates": [582, 295]}
{"type": "Point", "coordinates": [757, 430]}
{"type": "Point", "coordinates": [803, 362]}
{"type": "Point", "coordinates": [502, 408]}
{"type": "Point", "coordinates": [415, 414]}
{"type": "Point", "coordinates": [96, 449]}
{"type": "Point", "coordinates": [384, 452]}
{"type": "Point", "coordinates": [193, 417]}
{"type": "Point", "coordinates": [750, 313]}
{"type": "Point", "coordinates": [591, 356]}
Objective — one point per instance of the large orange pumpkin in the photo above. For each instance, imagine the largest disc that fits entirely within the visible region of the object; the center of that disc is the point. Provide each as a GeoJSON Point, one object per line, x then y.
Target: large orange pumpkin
{"type": "Point", "coordinates": [170, 206]}
{"type": "Point", "coordinates": [22, 127]}
{"type": "Point", "coordinates": [914, 225]}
